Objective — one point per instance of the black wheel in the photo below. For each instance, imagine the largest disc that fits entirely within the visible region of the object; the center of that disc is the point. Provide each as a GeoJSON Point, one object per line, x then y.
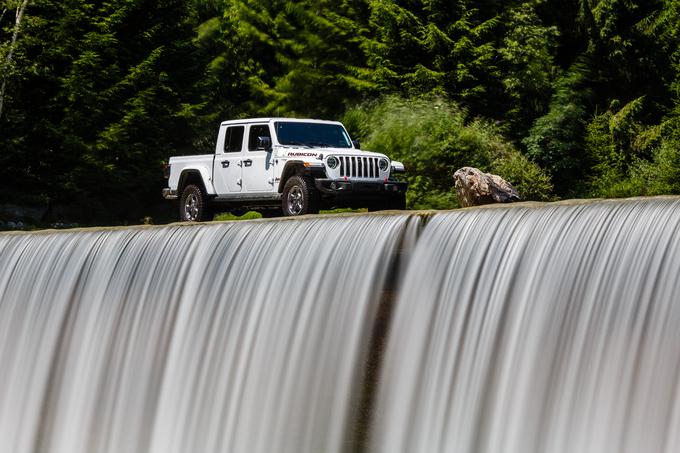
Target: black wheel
{"type": "Point", "coordinates": [299, 197]}
{"type": "Point", "coordinates": [194, 205]}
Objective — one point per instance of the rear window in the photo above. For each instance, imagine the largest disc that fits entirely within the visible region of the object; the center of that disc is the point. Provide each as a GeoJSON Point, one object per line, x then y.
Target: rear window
{"type": "Point", "coordinates": [233, 142]}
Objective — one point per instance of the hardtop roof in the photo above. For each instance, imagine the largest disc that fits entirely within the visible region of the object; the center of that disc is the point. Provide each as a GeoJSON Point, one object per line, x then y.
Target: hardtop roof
{"type": "Point", "coordinates": [273, 119]}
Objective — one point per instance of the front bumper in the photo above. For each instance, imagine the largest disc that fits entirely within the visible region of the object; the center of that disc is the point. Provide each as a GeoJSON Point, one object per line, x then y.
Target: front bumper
{"type": "Point", "coordinates": [170, 194]}
{"type": "Point", "coordinates": [341, 187]}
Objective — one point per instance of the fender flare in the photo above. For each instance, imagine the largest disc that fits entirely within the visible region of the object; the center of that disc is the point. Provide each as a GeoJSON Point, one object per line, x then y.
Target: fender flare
{"type": "Point", "coordinates": [297, 167]}
{"type": "Point", "coordinates": [203, 173]}
{"type": "Point", "coordinates": [292, 168]}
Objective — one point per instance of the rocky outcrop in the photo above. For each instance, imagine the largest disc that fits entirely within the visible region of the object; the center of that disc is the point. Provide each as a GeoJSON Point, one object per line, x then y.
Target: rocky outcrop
{"type": "Point", "coordinates": [475, 188]}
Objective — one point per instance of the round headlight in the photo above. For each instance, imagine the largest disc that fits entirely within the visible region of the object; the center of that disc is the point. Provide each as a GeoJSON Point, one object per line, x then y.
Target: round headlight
{"type": "Point", "coordinates": [332, 162]}
{"type": "Point", "coordinates": [383, 164]}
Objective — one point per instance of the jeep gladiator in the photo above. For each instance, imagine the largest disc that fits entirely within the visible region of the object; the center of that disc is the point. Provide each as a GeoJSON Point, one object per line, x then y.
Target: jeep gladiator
{"type": "Point", "coordinates": [282, 166]}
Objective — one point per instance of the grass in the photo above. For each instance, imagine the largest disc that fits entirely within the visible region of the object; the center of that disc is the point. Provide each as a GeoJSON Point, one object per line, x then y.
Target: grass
{"type": "Point", "coordinates": [341, 210]}
{"type": "Point", "coordinates": [250, 215]}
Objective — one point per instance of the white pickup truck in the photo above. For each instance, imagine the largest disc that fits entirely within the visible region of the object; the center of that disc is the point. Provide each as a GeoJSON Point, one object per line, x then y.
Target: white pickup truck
{"type": "Point", "coordinates": [282, 166]}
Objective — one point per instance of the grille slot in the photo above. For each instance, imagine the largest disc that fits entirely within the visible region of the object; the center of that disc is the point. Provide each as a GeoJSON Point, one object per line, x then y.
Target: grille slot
{"type": "Point", "coordinates": [358, 167]}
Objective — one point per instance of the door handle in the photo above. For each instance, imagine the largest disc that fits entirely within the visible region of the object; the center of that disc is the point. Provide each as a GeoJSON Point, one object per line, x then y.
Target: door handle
{"type": "Point", "coordinates": [248, 162]}
{"type": "Point", "coordinates": [225, 164]}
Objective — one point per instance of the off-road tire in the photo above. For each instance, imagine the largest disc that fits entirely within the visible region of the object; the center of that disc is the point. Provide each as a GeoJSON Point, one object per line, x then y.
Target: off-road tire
{"type": "Point", "coordinates": [194, 205]}
{"type": "Point", "coordinates": [299, 197]}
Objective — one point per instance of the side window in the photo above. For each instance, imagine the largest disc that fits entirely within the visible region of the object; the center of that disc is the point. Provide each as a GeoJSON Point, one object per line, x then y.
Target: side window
{"type": "Point", "coordinates": [233, 141]}
{"type": "Point", "coordinates": [258, 130]}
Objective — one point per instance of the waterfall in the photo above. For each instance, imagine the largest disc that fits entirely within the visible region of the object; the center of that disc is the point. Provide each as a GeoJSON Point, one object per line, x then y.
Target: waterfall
{"type": "Point", "coordinates": [245, 337]}
{"type": "Point", "coordinates": [538, 330]}
{"type": "Point", "coordinates": [529, 329]}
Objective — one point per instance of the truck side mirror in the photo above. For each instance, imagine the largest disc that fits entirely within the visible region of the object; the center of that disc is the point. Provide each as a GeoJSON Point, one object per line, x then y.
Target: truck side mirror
{"type": "Point", "coordinates": [356, 144]}
{"type": "Point", "coordinates": [264, 143]}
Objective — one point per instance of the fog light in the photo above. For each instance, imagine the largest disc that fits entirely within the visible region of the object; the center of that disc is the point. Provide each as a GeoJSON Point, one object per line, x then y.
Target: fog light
{"type": "Point", "coordinates": [334, 186]}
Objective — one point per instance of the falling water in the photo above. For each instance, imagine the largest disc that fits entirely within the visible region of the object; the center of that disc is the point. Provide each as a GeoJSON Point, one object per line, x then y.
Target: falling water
{"type": "Point", "coordinates": [547, 329]}
{"type": "Point", "coordinates": [524, 330]}
{"type": "Point", "coordinates": [246, 337]}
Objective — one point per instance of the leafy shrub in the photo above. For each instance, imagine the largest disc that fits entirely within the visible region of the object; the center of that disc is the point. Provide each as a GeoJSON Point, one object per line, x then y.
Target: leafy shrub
{"type": "Point", "coordinates": [529, 179]}
{"type": "Point", "coordinates": [659, 175]}
{"type": "Point", "coordinates": [629, 158]}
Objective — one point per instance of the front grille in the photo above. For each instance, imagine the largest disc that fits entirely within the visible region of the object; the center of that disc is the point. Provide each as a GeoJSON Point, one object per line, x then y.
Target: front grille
{"type": "Point", "coordinates": [359, 167]}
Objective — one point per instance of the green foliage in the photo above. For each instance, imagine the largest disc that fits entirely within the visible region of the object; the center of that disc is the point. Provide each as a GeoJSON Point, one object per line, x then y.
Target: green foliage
{"type": "Point", "coordinates": [99, 108]}
{"type": "Point", "coordinates": [555, 141]}
{"type": "Point", "coordinates": [662, 175]}
{"type": "Point", "coordinates": [342, 211]}
{"type": "Point", "coordinates": [657, 176]}
{"type": "Point", "coordinates": [281, 58]}
{"type": "Point", "coordinates": [527, 51]}
{"type": "Point", "coordinates": [99, 93]}
{"type": "Point", "coordinates": [614, 140]}
{"type": "Point", "coordinates": [433, 138]}
{"type": "Point", "coordinates": [434, 47]}
{"type": "Point", "coordinates": [250, 215]}
{"type": "Point", "coordinates": [531, 182]}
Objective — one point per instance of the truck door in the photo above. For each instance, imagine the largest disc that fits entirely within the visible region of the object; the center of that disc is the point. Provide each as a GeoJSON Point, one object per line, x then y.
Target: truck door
{"type": "Point", "coordinates": [228, 169]}
{"type": "Point", "coordinates": [258, 167]}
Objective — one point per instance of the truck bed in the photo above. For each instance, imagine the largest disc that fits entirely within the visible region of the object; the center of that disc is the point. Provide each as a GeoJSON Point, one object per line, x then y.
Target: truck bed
{"type": "Point", "coordinates": [200, 162]}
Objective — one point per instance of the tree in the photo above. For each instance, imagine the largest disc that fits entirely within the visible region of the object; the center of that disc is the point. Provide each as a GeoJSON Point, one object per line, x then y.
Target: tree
{"type": "Point", "coordinates": [104, 102]}
{"type": "Point", "coordinates": [529, 73]}
{"type": "Point", "coordinates": [7, 64]}
{"type": "Point", "coordinates": [438, 48]}
{"type": "Point", "coordinates": [284, 58]}
{"type": "Point", "coordinates": [124, 100]}
{"type": "Point", "coordinates": [555, 141]}
{"type": "Point", "coordinates": [94, 95]}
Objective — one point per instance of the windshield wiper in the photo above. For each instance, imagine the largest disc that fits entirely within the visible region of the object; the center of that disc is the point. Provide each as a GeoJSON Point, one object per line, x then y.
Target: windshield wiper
{"type": "Point", "coordinates": [319, 144]}
{"type": "Point", "coordinates": [293, 143]}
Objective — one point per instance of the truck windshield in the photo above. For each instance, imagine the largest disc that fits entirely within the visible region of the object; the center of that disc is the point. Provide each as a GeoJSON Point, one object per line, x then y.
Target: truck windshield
{"type": "Point", "coordinates": [312, 134]}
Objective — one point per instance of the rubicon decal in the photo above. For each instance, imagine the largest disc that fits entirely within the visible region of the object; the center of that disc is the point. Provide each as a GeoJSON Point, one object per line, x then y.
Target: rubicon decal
{"type": "Point", "coordinates": [302, 154]}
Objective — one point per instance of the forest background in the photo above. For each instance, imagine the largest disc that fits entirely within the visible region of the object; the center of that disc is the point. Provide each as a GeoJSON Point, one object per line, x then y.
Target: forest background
{"type": "Point", "coordinates": [563, 98]}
